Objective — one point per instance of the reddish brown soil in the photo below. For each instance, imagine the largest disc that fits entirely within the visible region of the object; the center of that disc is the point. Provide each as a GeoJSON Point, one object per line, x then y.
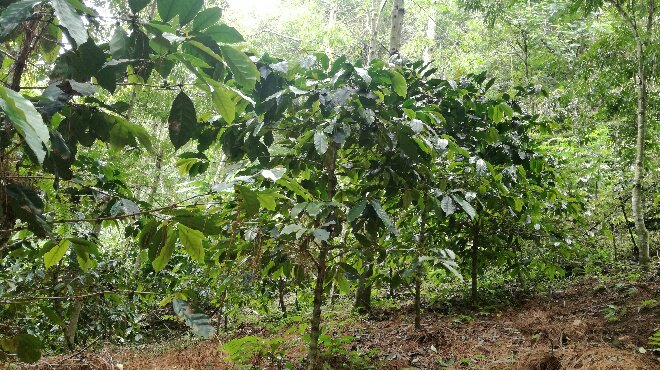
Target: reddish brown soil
{"type": "Point", "coordinates": [569, 330]}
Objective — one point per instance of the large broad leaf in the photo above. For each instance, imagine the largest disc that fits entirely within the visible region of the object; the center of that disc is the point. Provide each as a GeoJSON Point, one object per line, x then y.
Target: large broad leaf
{"type": "Point", "coordinates": [244, 71]}
{"type": "Point", "coordinates": [27, 206]}
{"type": "Point", "coordinates": [182, 120]}
{"type": "Point", "coordinates": [399, 84]}
{"type": "Point", "coordinates": [321, 235]}
{"type": "Point", "coordinates": [207, 18]}
{"type": "Point", "coordinates": [168, 9]}
{"type": "Point", "coordinates": [320, 142]}
{"type": "Point", "coordinates": [224, 103]}
{"type": "Point", "coordinates": [137, 5]}
{"type": "Point", "coordinates": [267, 200]}
{"type": "Point", "coordinates": [120, 44]}
{"type": "Point", "coordinates": [124, 207]}
{"type": "Point", "coordinates": [224, 34]}
{"type": "Point", "coordinates": [447, 205]}
{"type": "Point", "coordinates": [124, 133]}
{"type": "Point", "coordinates": [207, 224]}
{"type": "Point", "coordinates": [14, 14]}
{"type": "Point", "coordinates": [384, 217]}
{"type": "Point", "coordinates": [250, 202]}
{"type": "Point", "coordinates": [164, 255]}
{"type": "Point", "coordinates": [26, 120]}
{"type": "Point", "coordinates": [54, 256]}
{"type": "Point", "coordinates": [356, 211]}
{"type": "Point", "coordinates": [70, 20]}
{"type": "Point", "coordinates": [84, 249]}
{"type": "Point", "coordinates": [192, 241]}
{"type": "Point", "coordinates": [465, 205]}
{"type": "Point", "coordinates": [188, 9]}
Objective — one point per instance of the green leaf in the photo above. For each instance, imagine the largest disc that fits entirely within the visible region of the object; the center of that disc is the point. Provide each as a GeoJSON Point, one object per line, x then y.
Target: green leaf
{"type": "Point", "coordinates": [119, 44]}
{"type": "Point", "coordinates": [124, 133]}
{"type": "Point", "coordinates": [54, 256]}
{"type": "Point", "coordinates": [188, 9]}
{"type": "Point", "coordinates": [207, 18]}
{"type": "Point", "coordinates": [28, 347]}
{"type": "Point", "coordinates": [84, 260]}
{"type": "Point", "coordinates": [399, 84]}
{"type": "Point", "coordinates": [223, 34]}
{"type": "Point", "coordinates": [273, 174]}
{"type": "Point", "coordinates": [465, 205]}
{"type": "Point", "coordinates": [192, 241]}
{"type": "Point", "coordinates": [292, 228]}
{"type": "Point", "coordinates": [492, 135]}
{"type": "Point", "coordinates": [165, 253]}
{"type": "Point", "coordinates": [70, 20]}
{"type": "Point", "coordinates": [224, 104]}
{"type": "Point", "coordinates": [245, 72]}
{"type": "Point", "coordinates": [250, 201]}
{"type": "Point", "coordinates": [384, 217]}
{"type": "Point", "coordinates": [356, 211]}
{"type": "Point", "coordinates": [207, 224]}
{"type": "Point", "coordinates": [447, 205]}
{"type": "Point", "coordinates": [321, 235]}
{"type": "Point", "coordinates": [137, 5]}
{"type": "Point", "coordinates": [320, 142]}
{"type": "Point", "coordinates": [267, 200]}
{"type": "Point", "coordinates": [496, 114]}
{"type": "Point", "coordinates": [14, 15]}
{"type": "Point", "coordinates": [168, 9]}
{"type": "Point", "coordinates": [27, 206]}
{"type": "Point", "coordinates": [182, 120]}
{"type": "Point", "coordinates": [26, 120]}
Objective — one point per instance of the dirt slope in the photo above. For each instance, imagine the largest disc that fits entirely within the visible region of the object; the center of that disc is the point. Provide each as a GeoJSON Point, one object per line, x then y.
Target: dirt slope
{"type": "Point", "coordinates": [587, 326]}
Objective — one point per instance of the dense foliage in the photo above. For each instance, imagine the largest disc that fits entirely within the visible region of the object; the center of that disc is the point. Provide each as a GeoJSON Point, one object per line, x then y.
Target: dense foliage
{"type": "Point", "coordinates": [157, 166]}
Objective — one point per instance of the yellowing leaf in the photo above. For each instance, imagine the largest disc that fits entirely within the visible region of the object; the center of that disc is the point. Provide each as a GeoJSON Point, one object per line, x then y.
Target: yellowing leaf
{"type": "Point", "coordinates": [54, 256]}
{"type": "Point", "coordinates": [192, 241]}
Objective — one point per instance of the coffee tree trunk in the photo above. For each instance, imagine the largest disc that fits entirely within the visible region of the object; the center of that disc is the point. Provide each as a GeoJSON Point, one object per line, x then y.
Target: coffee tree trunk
{"type": "Point", "coordinates": [475, 263]}
{"type": "Point", "coordinates": [363, 292]}
{"type": "Point", "coordinates": [281, 287]}
{"type": "Point", "coordinates": [637, 194]}
{"type": "Point", "coordinates": [72, 326]}
{"type": "Point", "coordinates": [315, 330]}
{"type": "Point", "coordinates": [314, 354]}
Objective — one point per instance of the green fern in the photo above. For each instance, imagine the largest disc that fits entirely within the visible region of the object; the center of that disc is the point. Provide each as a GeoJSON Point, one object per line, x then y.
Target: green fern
{"type": "Point", "coordinates": [199, 323]}
{"type": "Point", "coordinates": [654, 340]}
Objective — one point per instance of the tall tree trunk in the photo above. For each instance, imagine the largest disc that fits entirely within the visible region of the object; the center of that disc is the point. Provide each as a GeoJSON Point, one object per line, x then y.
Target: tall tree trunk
{"type": "Point", "coordinates": [427, 53]}
{"type": "Point", "coordinates": [397, 27]}
{"type": "Point", "coordinates": [374, 22]}
{"type": "Point", "coordinates": [637, 194]}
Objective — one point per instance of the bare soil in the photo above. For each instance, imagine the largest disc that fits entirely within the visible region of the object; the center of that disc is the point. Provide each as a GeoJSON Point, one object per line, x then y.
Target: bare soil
{"type": "Point", "coordinates": [587, 326]}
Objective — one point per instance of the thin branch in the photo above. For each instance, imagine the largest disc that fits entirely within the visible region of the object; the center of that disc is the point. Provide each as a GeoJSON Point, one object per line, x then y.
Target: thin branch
{"type": "Point", "coordinates": [73, 297]}
{"type": "Point", "coordinates": [267, 30]}
{"type": "Point", "coordinates": [129, 215]}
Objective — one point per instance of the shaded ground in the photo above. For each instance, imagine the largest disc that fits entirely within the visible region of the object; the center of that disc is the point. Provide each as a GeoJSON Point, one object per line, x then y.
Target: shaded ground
{"type": "Point", "coordinates": [587, 326]}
